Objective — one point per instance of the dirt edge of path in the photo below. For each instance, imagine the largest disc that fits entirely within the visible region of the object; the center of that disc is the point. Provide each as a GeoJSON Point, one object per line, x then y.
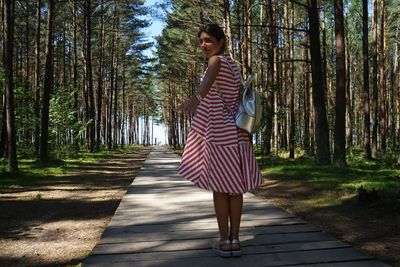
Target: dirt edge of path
{"type": "Point", "coordinates": [58, 221]}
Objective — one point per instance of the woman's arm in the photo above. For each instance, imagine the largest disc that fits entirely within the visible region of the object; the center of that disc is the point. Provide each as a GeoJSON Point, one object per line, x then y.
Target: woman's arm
{"type": "Point", "coordinates": [190, 105]}
{"type": "Point", "coordinates": [214, 64]}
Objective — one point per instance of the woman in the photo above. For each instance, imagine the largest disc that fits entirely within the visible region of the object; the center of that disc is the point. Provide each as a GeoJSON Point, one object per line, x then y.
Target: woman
{"type": "Point", "coordinates": [218, 156]}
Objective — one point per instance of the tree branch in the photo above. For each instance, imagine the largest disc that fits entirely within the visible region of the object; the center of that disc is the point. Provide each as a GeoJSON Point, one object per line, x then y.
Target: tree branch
{"type": "Point", "coordinates": [298, 3]}
{"type": "Point", "coordinates": [278, 27]}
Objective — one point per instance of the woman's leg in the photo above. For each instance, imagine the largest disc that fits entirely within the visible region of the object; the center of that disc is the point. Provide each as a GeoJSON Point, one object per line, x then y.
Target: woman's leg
{"type": "Point", "coordinates": [221, 205]}
{"type": "Point", "coordinates": [235, 213]}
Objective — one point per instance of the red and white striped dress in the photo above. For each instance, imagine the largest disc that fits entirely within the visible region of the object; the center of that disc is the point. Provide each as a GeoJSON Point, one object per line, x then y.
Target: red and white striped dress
{"type": "Point", "coordinates": [218, 156]}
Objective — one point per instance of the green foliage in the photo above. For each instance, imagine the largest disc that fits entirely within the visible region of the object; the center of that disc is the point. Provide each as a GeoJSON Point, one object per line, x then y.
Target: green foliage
{"type": "Point", "coordinates": [25, 121]}
{"type": "Point", "coordinates": [63, 122]}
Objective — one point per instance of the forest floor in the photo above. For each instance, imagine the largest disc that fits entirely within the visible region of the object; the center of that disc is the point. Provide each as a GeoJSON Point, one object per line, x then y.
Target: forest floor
{"type": "Point", "coordinates": [57, 220]}
{"type": "Point", "coordinates": [366, 227]}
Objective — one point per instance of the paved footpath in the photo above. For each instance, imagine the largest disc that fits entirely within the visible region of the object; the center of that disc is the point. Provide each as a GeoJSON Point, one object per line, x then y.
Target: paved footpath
{"type": "Point", "coordinates": [164, 220]}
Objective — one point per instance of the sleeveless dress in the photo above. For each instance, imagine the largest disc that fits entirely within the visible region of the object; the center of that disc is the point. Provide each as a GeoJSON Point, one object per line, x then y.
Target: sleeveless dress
{"type": "Point", "coordinates": [218, 156]}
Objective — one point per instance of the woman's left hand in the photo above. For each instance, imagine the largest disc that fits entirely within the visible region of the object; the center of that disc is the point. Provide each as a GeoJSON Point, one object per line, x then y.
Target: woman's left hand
{"type": "Point", "coordinates": [189, 106]}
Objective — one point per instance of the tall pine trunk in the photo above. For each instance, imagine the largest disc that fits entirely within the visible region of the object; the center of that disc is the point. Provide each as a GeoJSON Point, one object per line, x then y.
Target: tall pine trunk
{"type": "Point", "coordinates": [37, 78]}
{"type": "Point", "coordinates": [100, 75]}
{"type": "Point", "coordinates": [75, 73]}
{"type": "Point", "coordinates": [111, 91]}
{"type": "Point", "coordinates": [339, 156]}
{"type": "Point", "coordinates": [374, 100]}
{"type": "Point", "coordinates": [270, 79]}
{"type": "Point", "coordinates": [291, 84]}
{"type": "Point", "coordinates": [383, 121]}
{"type": "Point", "coordinates": [321, 122]}
{"type": "Point", "coordinates": [228, 27]}
{"type": "Point", "coordinates": [116, 86]}
{"type": "Point", "coordinates": [366, 100]}
{"type": "Point", "coordinates": [48, 85]}
{"type": "Point", "coordinates": [89, 76]}
{"type": "Point", "coordinates": [9, 80]}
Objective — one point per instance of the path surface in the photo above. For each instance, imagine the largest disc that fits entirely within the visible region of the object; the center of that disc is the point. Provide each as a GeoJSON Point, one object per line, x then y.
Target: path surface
{"type": "Point", "coordinates": [164, 220]}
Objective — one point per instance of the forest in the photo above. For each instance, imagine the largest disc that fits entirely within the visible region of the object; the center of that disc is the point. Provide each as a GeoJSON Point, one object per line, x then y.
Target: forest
{"type": "Point", "coordinates": [74, 74]}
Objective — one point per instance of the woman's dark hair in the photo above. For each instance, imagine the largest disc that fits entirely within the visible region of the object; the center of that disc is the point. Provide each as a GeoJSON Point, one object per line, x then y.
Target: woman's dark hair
{"type": "Point", "coordinates": [213, 30]}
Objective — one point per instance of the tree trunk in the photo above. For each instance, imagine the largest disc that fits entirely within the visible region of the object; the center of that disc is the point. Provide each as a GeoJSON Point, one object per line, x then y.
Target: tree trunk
{"type": "Point", "coordinates": [238, 30]}
{"type": "Point", "coordinates": [27, 83]}
{"type": "Point", "coordinates": [3, 136]}
{"type": "Point", "coordinates": [306, 97]}
{"type": "Point", "coordinates": [292, 113]}
{"type": "Point", "coordinates": [397, 94]}
{"type": "Point", "coordinates": [228, 28]}
{"type": "Point", "coordinates": [284, 84]}
{"type": "Point", "coordinates": [374, 100]}
{"type": "Point", "coordinates": [48, 85]}
{"type": "Point", "coordinates": [37, 78]}
{"type": "Point", "coordinates": [349, 96]}
{"type": "Point", "coordinates": [339, 156]}
{"type": "Point", "coordinates": [383, 122]}
{"type": "Point", "coordinates": [366, 100]}
{"type": "Point", "coordinates": [116, 86]}
{"type": "Point", "coordinates": [110, 99]}
{"type": "Point", "coordinates": [324, 65]}
{"type": "Point", "coordinates": [89, 76]}
{"type": "Point", "coordinates": [75, 73]}
{"type": "Point", "coordinates": [9, 80]}
{"type": "Point", "coordinates": [276, 75]}
{"type": "Point", "coordinates": [269, 94]}
{"type": "Point", "coordinates": [321, 122]}
{"type": "Point", "coordinates": [246, 41]}
{"type": "Point", "coordinates": [100, 79]}
{"type": "Point", "coordinates": [123, 104]}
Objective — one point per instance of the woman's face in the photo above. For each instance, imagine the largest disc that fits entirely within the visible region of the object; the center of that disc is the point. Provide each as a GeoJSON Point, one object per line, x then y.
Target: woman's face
{"type": "Point", "coordinates": [209, 45]}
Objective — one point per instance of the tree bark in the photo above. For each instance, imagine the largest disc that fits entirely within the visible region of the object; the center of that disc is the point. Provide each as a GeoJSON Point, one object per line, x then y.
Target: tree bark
{"type": "Point", "coordinates": [228, 28]}
{"type": "Point", "coordinates": [292, 113]}
{"type": "Point", "coordinates": [374, 100]}
{"type": "Point", "coordinates": [122, 121]}
{"type": "Point", "coordinates": [269, 94]}
{"type": "Point", "coordinates": [37, 78]}
{"type": "Point", "coordinates": [366, 99]}
{"type": "Point", "coordinates": [306, 98]}
{"type": "Point", "coordinates": [100, 75]}
{"type": "Point", "coordinates": [321, 122]}
{"type": "Point", "coordinates": [339, 156]}
{"type": "Point", "coordinates": [75, 72]}
{"type": "Point", "coordinates": [9, 80]}
{"type": "Point", "coordinates": [276, 75]}
{"type": "Point", "coordinates": [48, 85]}
{"type": "Point", "coordinates": [383, 122]}
{"type": "Point", "coordinates": [110, 99]}
{"type": "Point", "coordinates": [116, 86]}
{"type": "Point", "coordinates": [89, 76]}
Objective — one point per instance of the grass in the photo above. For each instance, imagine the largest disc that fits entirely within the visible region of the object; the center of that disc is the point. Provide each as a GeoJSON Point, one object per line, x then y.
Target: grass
{"type": "Point", "coordinates": [30, 172]}
{"type": "Point", "coordinates": [327, 196]}
{"type": "Point", "coordinates": [331, 186]}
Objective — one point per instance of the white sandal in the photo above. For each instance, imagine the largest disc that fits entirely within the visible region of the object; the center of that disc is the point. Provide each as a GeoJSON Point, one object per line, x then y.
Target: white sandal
{"type": "Point", "coordinates": [236, 252]}
{"type": "Point", "coordinates": [217, 248]}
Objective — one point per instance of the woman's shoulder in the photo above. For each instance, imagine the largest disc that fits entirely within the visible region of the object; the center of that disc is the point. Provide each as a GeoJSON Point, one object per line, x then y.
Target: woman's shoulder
{"type": "Point", "coordinates": [214, 61]}
{"type": "Point", "coordinates": [227, 62]}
